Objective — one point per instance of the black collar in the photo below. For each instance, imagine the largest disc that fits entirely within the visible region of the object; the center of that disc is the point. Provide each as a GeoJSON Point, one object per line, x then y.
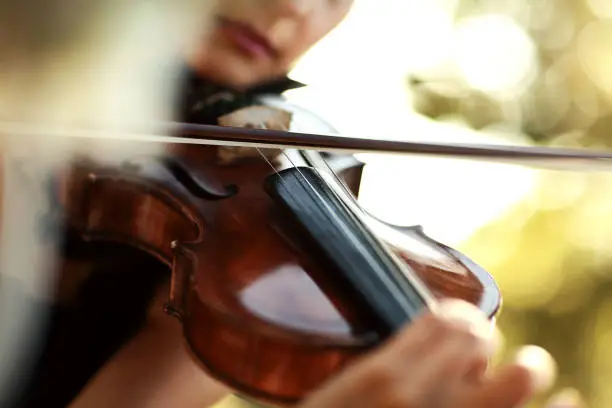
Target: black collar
{"type": "Point", "coordinates": [204, 102]}
{"type": "Point", "coordinates": [275, 87]}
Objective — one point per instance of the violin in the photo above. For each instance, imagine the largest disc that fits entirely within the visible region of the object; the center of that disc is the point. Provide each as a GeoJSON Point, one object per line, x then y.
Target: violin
{"type": "Point", "coordinates": [278, 276]}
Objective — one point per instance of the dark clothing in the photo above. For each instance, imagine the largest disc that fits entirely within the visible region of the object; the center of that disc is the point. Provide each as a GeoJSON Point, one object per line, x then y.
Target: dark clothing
{"type": "Point", "coordinates": [112, 304]}
{"type": "Point", "coordinates": [107, 311]}
{"type": "Point", "coordinates": [203, 102]}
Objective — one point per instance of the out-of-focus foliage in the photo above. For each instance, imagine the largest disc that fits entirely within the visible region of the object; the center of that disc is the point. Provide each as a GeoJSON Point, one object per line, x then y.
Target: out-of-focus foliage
{"type": "Point", "coordinates": [552, 254]}
{"type": "Point", "coordinates": [553, 63]}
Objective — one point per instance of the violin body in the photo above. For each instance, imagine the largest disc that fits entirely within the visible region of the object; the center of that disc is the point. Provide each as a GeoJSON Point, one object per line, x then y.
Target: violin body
{"type": "Point", "coordinates": [258, 307]}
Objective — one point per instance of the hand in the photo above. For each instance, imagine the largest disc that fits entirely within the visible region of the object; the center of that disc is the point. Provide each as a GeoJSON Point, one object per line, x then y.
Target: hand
{"type": "Point", "coordinates": [439, 361]}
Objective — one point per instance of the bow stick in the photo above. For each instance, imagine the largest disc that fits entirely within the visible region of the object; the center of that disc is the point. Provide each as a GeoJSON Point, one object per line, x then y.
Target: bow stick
{"type": "Point", "coordinates": [539, 157]}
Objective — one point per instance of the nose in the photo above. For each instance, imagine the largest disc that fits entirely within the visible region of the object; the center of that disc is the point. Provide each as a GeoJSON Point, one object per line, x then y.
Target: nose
{"type": "Point", "coordinates": [293, 8]}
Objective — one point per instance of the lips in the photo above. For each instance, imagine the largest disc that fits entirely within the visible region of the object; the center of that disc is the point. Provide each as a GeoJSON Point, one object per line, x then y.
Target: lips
{"type": "Point", "coordinates": [247, 39]}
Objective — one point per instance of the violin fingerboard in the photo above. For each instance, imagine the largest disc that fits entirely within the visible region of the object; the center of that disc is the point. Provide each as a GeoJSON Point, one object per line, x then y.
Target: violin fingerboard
{"type": "Point", "coordinates": [391, 294]}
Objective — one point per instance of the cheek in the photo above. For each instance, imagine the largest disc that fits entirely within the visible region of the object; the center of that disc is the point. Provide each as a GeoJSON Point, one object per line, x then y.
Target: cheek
{"type": "Point", "coordinates": [310, 34]}
{"type": "Point", "coordinates": [301, 43]}
{"type": "Point", "coordinates": [249, 10]}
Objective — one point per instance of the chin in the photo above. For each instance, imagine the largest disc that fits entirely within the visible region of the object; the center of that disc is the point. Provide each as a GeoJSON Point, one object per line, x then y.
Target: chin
{"type": "Point", "coordinates": [232, 69]}
{"type": "Point", "coordinates": [233, 79]}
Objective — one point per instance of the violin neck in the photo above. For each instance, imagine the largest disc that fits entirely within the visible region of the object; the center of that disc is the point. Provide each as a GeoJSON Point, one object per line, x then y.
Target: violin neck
{"type": "Point", "coordinates": [376, 280]}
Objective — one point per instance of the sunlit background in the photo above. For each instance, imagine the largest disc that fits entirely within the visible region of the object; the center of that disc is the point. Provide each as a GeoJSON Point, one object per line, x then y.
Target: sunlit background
{"type": "Point", "coordinates": [496, 71]}
{"type": "Point", "coordinates": [528, 72]}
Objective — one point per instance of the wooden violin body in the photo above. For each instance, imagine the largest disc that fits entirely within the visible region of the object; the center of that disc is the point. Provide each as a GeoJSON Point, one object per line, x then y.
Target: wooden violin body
{"type": "Point", "coordinates": [258, 307]}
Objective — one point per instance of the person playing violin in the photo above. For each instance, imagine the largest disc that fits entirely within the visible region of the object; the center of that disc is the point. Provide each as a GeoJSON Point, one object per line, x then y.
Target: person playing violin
{"type": "Point", "coordinates": [130, 354]}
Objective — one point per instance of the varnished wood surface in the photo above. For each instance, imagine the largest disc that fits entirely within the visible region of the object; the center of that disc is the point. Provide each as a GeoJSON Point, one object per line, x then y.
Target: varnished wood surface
{"type": "Point", "coordinates": [257, 312]}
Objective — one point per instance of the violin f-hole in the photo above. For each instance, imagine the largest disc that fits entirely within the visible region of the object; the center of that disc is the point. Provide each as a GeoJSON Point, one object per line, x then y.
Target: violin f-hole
{"type": "Point", "coordinates": [196, 186]}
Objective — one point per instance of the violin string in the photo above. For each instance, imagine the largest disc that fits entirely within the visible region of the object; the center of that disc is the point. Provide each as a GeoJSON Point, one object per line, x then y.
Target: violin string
{"type": "Point", "coordinates": [270, 164]}
{"type": "Point", "coordinates": [338, 181]}
{"type": "Point", "coordinates": [284, 153]}
{"type": "Point", "coordinates": [303, 177]}
{"type": "Point", "coordinates": [429, 300]}
{"type": "Point", "coordinates": [258, 149]}
{"type": "Point", "coordinates": [283, 181]}
{"type": "Point", "coordinates": [303, 180]}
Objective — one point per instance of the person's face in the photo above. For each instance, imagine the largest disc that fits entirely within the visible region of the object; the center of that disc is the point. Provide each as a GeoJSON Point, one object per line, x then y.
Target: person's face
{"type": "Point", "coordinates": [253, 41]}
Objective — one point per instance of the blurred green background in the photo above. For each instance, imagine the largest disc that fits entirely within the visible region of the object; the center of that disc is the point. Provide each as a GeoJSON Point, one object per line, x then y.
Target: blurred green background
{"type": "Point", "coordinates": [540, 73]}
{"type": "Point", "coordinates": [550, 253]}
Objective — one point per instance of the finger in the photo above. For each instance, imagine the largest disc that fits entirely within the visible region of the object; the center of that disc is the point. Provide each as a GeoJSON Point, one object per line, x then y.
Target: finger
{"type": "Point", "coordinates": [453, 352]}
{"type": "Point", "coordinates": [534, 371]}
{"type": "Point", "coordinates": [447, 344]}
{"type": "Point", "coordinates": [478, 324]}
{"type": "Point", "coordinates": [473, 319]}
{"type": "Point", "coordinates": [540, 364]}
{"type": "Point", "coordinates": [451, 320]}
{"type": "Point", "coordinates": [444, 372]}
{"type": "Point", "coordinates": [429, 325]}
{"type": "Point", "coordinates": [508, 388]}
{"type": "Point", "coordinates": [460, 354]}
{"type": "Point", "coordinates": [412, 357]}
{"type": "Point", "coordinates": [397, 358]}
{"type": "Point", "coordinates": [476, 372]}
{"type": "Point", "coordinates": [418, 339]}
{"type": "Point", "coordinates": [432, 375]}
{"type": "Point", "coordinates": [567, 398]}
